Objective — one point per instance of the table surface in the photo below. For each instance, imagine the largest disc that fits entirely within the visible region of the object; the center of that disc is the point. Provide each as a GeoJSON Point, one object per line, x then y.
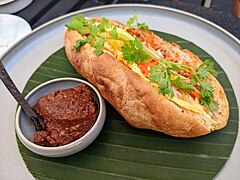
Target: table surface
{"type": "Point", "coordinates": [39, 12]}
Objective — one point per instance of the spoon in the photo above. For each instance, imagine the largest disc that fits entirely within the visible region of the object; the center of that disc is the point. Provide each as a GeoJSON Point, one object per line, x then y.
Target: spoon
{"type": "Point", "coordinates": [7, 81]}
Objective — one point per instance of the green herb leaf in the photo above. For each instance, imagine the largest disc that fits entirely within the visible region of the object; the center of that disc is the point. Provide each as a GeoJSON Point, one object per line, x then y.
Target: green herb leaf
{"type": "Point", "coordinates": [172, 66]}
{"type": "Point", "coordinates": [209, 104]}
{"type": "Point", "coordinates": [131, 21]}
{"type": "Point", "coordinates": [206, 68]}
{"type": "Point", "coordinates": [206, 96]}
{"type": "Point", "coordinates": [114, 33]}
{"type": "Point", "coordinates": [194, 80]}
{"type": "Point", "coordinates": [134, 52]}
{"type": "Point", "coordinates": [206, 90]}
{"type": "Point", "coordinates": [143, 26]}
{"type": "Point", "coordinates": [165, 87]}
{"type": "Point", "coordinates": [104, 25]}
{"type": "Point", "coordinates": [155, 73]}
{"type": "Point", "coordinates": [134, 19]}
{"type": "Point", "coordinates": [98, 44]}
{"type": "Point", "coordinates": [181, 84]}
{"type": "Point", "coordinates": [162, 78]}
{"type": "Point", "coordinates": [79, 24]}
{"type": "Point", "coordinates": [80, 42]}
{"type": "Point", "coordinates": [213, 105]}
{"type": "Point", "coordinates": [94, 31]}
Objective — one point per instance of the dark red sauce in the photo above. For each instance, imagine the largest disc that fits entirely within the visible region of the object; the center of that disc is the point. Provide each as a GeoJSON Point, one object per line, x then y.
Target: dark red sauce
{"type": "Point", "coordinates": [67, 114]}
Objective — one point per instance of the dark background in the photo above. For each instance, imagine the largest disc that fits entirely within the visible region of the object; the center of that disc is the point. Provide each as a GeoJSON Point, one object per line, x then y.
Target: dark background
{"type": "Point", "coordinates": [219, 12]}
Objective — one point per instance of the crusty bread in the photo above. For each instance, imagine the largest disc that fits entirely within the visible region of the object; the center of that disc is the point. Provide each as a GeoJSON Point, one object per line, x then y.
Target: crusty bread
{"type": "Point", "coordinates": [134, 98]}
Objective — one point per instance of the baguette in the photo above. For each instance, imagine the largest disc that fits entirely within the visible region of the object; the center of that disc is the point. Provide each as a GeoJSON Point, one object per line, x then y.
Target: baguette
{"type": "Point", "coordinates": [138, 100]}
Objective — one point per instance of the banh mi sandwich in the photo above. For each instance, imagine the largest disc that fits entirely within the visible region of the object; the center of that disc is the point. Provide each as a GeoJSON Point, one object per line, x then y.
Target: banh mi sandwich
{"type": "Point", "coordinates": [152, 83]}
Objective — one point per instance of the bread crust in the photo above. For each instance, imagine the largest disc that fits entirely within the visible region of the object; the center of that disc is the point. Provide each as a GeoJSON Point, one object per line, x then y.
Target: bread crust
{"type": "Point", "coordinates": [135, 99]}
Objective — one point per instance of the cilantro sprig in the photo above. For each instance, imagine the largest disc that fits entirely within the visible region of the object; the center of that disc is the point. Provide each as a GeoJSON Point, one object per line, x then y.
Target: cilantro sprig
{"type": "Point", "coordinates": [161, 77]}
{"type": "Point", "coordinates": [134, 52]}
{"type": "Point", "coordinates": [80, 24]}
{"type": "Point", "coordinates": [133, 20]}
{"type": "Point", "coordinates": [206, 89]}
{"type": "Point", "coordinates": [98, 44]}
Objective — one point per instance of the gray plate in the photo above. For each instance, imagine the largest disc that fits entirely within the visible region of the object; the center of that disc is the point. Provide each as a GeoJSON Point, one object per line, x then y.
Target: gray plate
{"type": "Point", "coordinates": [24, 58]}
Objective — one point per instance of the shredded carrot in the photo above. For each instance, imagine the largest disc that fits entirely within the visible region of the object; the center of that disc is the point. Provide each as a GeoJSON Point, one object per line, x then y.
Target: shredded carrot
{"type": "Point", "coordinates": [181, 91]}
{"type": "Point", "coordinates": [195, 94]}
{"type": "Point", "coordinates": [145, 67]}
{"type": "Point", "coordinates": [98, 19]}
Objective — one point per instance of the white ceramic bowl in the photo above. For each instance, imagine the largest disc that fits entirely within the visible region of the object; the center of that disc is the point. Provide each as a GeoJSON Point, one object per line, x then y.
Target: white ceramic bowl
{"type": "Point", "coordinates": [25, 128]}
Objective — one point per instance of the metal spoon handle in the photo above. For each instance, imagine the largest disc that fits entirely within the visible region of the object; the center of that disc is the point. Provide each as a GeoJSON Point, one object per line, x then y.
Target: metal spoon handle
{"type": "Point", "coordinates": [6, 79]}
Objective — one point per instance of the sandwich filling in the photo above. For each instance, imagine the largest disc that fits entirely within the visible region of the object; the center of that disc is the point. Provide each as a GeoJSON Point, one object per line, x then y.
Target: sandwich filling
{"type": "Point", "coordinates": [166, 68]}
